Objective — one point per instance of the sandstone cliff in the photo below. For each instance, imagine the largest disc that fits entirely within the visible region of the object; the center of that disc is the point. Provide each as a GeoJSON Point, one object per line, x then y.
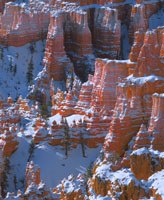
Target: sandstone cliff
{"type": "Point", "coordinates": [100, 87]}
{"type": "Point", "coordinates": [22, 20]}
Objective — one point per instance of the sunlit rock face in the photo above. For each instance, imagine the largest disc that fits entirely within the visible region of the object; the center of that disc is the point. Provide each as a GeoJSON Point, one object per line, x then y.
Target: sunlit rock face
{"type": "Point", "coordinates": [103, 95]}
{"type": "Point", "coordinates": [140, 15]}
{"type": "Point", "coordinates": [142, 138]}
{"type": "Point", "coordinates": [90, 2]}
{"type": "Point", "coordinates": [156, 122]}
{"type": "Point", "coordinates": [55, 56]}
{"type": "Point", "coordinates": [133, 107]}
{"type": "Point", "coordinates": [23, 21]}
{"type": "Point", "coordinates": [9, 142]}
{"type": "Point", "coordinates": [100, 85]}
{"type": "Point", "coordinates": [152, 46]}
{"type": "Point", "coordinates": [134, 97]}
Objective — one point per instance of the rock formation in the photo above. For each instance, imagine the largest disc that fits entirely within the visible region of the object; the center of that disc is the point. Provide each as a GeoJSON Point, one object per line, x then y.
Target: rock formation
{"type": "Point", "coordinates": [74, 193]}
{"type": "Point", "coordinates": [9, 142]}
{"type": "Point", "coordinates": [23, 21]}
{"type": "Point", "coordinates": [2, 4]}
{"type": "Point", "coordinates": [142, 138]}
{"type": "Point", "coordinates": [156, 126]}
{"type": "Point", "coordinates": [35, 188]}
{"type": "Point", "coordinates": [140, 15]}
{"type": "Point", "coordinates": [137, 92]}
{"type": "Point", "coordinates": [55, 57]}
{"type": "Point", "coordinates": [152, 45]}
{"type": "Point", "coordinates": [106, 24]}
{"type": "Point", "coordinates": [32, 174]}
{"type": "Point", "coordinates": [40, 135]}
{"type": "Point", "coordinates": [86, 96]}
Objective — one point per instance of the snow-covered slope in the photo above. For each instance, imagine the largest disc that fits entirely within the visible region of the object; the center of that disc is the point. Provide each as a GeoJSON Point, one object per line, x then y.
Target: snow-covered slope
{"type": "Point", "coordinates": [15, 64]}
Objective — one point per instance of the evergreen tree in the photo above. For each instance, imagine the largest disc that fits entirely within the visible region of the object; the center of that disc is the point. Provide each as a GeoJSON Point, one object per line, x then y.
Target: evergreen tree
{"type": "Point", "coordinates": [82, 144]}
{"type": "Point", "coordinates": [82, 140]}
{"type": "Point", "coordinates": [89, 173]}
{"type": "Point", "coordinates": [31, 150]}
{"type": "Point", "coordinates": [11, 65]}
{"type": "Point", "coordinates": [30, 72]}
{"type": "Point", "coordinates": [66, 138]}
{"type": "Point", "coordinates": [32, 48]}
{"type": "Point", "coordinates": [1, 53]}
{"type": "Point", "coordinates": [15, 182]}
{"type": "Point", "coordinates": [14, 69]}
{"type": "Point", "coordinates": [4, 176]}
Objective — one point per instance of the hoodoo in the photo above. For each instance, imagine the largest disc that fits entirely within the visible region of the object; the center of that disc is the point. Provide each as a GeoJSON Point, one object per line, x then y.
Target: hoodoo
{"type": "Point", "coordinates": [81, 99]}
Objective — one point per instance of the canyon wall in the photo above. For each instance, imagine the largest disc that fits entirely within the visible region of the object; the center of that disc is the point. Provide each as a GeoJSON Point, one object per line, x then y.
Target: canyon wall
{"type": "Point", "coordinates": [87, 93]}
{"type": "Point", "coordinates": [29, 23]}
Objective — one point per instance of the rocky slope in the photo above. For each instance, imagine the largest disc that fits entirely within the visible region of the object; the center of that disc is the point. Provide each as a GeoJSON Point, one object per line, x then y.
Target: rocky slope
{"type": "Point", "coordinates": [93, 72]}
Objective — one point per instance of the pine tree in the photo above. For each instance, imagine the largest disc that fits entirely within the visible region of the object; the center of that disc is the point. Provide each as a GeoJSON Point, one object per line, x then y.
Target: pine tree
{"type": "Point", "coordinates": [14, 69]}
{"type": "Point", "coordinates": [82, 141]}
{"type": "Point", "coordinates": [82, 144]}
{"type": "Point", "coordinates": [30, 72]}
{"type": "Point", "coordinates": [66, 137]}
{"type": "Point", "coordinates": [11, 65]}
{"type": "Point", "coordinates": [31, 150]}
{"type": "Point", "coordinates": [15, 182]}
{"type": "Point", "coordinates": [89, 173]}
{"type": "Point", "coordinates": [1, 53]}
{"type": "Point", "coordinates": [4, 176]}
{"type": "Point", "coordinates": [32, 48]}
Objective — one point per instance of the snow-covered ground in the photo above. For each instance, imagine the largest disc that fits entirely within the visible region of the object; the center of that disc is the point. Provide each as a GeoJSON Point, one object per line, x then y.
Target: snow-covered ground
{"type": "Point", "coordinates": [55, 166]}
{"type": "Point", "coordinates": [156, 181]}
{"type": "Point", "coordinates": [52, 161]}
{"type": "Point", "coordinates": [157, 19]}
{"type": "Point", "coordinates": [14, 65]}
{"type": "Point", "coordinates": [70, 119]}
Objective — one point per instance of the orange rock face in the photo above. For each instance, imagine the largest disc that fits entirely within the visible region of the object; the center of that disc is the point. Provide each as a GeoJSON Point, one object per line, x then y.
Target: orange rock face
{"type": "Point", "coordinates": [106, 36]}
{"type": "Point", "coordinates": [40, 135]}
{"type": "Point", "coordinates": [55, 56]}
{"type": "Point", "coordinates": [106, 185]}
{"type": "Point", "coordinates": [126, 119]}
{"type": "Point", "coordinates": [17, 20]}
{"type": "Point", "coordinates": [153, 46]}
{"type": "Point", "coordinates": [144, 163]}
{"type": "Point", "coordinates": [141, 165]}
{"type": "Point", "coordinates": [140, 15]}
{"type": "Point", "coordinates": [133, 107]}
{"type": "Point", "coordinates": [156, 126]}
{"type": "Point", "coordinates": [138, 42]}
{"type": "Point", "coordinates": [35, 188]}
{"type": "Point", "coordinates": [98, 94]}
{"type": "Point", "coordinates": [103, 95]}
{"type": "Point", "coordinates": [89, 2]}
{"type": "Point", "coordinates": [68, 34]}
{"type": "Point", "coordinates": [68, 105]}
{"type": "Point", "coordinates": [152, 135]}
{"type": "Point", "coordinates": [142, 138]}
{"type": "Point", "coordinates": [57, 100]}
{"type": "Point", "coordinates": [84, 99]}
{"type": "Point", "coordinates": [9, 142]}
{"type": "Point", "coordinates": [32, 174]}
